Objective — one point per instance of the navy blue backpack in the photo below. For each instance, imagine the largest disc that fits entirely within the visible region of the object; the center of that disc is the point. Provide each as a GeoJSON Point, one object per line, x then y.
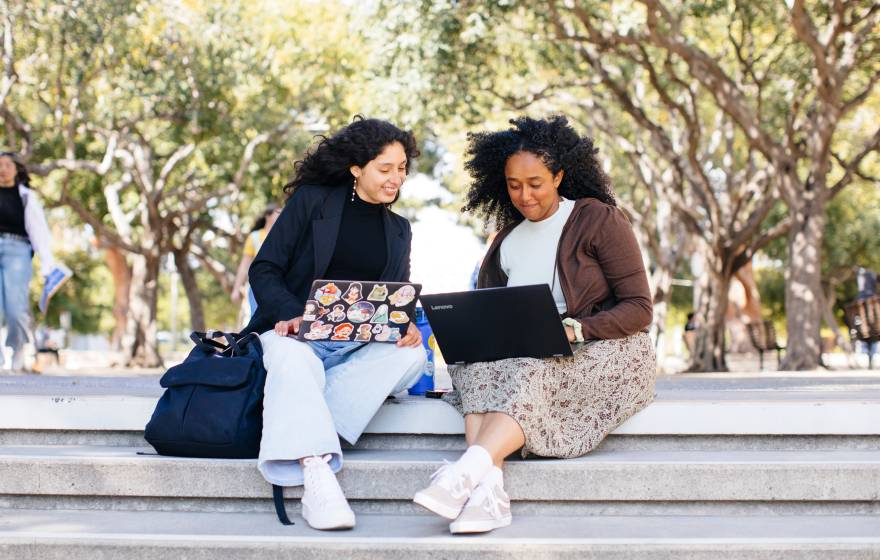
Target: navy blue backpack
{"type": "Point", "coordinates": [213, 401]}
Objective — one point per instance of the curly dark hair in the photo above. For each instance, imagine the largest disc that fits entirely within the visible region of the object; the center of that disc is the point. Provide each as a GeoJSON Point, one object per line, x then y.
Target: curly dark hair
{"type": "Point", "coordinates": [558, 145]}
{"type": "Point", "coordinates": [21, 174]}
{"type": "Point", "coordinates": [360, 142]}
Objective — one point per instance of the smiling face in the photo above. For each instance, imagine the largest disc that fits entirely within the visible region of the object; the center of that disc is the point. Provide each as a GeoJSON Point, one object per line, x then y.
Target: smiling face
{"type": "Point", "coordinates": [532, 187]}
{"type": "Point", "coordinates": [379, 181]}
{"type": "Point", "coordinates": [7, 171]}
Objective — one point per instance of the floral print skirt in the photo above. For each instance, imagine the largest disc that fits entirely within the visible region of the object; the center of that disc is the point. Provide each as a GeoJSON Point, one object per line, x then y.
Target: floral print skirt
{"type": "Point", "coordinates": [565, 406]}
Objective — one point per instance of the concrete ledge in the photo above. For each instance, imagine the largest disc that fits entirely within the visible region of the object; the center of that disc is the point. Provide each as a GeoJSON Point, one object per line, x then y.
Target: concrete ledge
{"type": "Point", "coordinates": [71, 535]}
{"type": "Point", "coordinates": [770, 415]}
{"type": "Point", "coordinates": [820, 476]}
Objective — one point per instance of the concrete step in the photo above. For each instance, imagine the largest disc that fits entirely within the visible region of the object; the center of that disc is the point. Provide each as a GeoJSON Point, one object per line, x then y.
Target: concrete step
{"type": "Point", "coordinates": [385, 480]}
{"type": "Point", "coordinates": [690, 412]}
{"type": "Point", "coordinates": [74, 535]}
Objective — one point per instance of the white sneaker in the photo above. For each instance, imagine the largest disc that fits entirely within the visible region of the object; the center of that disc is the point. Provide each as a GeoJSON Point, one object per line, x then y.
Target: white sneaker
{"type": "Point", "coordinates": [18, 361]}
{"type": "Point", "coordinates": [448, 492]}
{"type": "Point", "coordinates": [323, 504]}
{"type": "Point", "coordinates": [488, 508]}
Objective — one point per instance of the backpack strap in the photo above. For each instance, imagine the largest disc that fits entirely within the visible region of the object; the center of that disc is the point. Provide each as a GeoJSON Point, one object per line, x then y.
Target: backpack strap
{"type": "Point", "coordinates": [280, 511]}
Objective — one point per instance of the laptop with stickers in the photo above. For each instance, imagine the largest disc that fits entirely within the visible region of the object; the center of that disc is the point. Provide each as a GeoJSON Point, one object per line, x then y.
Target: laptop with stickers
{"type": "Point", "coordinates": [357, 311]}
{"type": "Point", "coordinates": [496, 323]}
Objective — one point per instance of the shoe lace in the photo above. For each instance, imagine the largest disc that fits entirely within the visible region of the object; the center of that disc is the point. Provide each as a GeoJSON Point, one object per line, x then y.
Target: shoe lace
{"type": "Point", "coordinates": [321, 480]}
{"type": "Point", "coordinates": [486, 497]}
{"type": "Point", "coordinates": [456, 484]}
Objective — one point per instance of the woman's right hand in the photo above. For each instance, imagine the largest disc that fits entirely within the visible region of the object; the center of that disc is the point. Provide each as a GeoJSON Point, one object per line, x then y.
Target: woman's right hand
{"type": "Point", "coordinates": [285, 328]}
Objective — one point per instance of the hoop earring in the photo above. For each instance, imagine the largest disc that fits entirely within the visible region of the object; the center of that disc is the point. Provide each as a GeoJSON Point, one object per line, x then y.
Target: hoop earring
{"type": "Point", "coordinates": [354, 188]}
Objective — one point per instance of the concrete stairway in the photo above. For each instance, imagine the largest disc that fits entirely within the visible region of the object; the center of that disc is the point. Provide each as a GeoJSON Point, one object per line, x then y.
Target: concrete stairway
{"type": "Point", "coordinates": [717, 467]}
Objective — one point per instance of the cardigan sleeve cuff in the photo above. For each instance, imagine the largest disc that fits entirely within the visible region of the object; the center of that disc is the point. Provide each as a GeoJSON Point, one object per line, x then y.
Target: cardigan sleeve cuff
{"type": "Point", "coordinates": [576, 327]}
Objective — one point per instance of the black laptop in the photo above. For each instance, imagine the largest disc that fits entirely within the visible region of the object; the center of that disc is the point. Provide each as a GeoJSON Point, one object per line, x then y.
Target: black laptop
{"type": "Point", "coordinates": [496, 323]}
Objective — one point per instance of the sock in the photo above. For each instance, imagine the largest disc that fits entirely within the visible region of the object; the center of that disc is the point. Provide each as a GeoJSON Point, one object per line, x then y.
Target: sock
{"type": "Point", "coordinates": [475, 463]}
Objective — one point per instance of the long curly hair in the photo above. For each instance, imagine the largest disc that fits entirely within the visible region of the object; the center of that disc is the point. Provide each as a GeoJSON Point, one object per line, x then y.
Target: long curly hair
{"type": "Point", "coordinates": [553, 140]}
{"type": "Point", "coordinates": [328, 163]}
{"type": "Point", "coordinates": [21, 173]}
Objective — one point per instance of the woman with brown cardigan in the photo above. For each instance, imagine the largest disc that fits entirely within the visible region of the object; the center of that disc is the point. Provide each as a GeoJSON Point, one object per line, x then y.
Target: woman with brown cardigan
{"type": "Point", "coordinates": [542, 185]}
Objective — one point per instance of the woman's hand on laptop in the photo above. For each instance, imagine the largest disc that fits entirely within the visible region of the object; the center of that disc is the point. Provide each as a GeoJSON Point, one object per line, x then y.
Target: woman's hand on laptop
{"type": "Point", "coordinates": [285, 328]}
{"type": "Point", "coordinates": [412, 338]}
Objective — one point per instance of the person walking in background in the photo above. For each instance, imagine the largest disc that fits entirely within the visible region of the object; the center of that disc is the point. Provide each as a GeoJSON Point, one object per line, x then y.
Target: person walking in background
{"type": "Point", "coordinates": [336, 225]}
{"type": "Point", "coordinates": [543, 186]}
{"type": "Point", "coordinates": [251, 247]}
{"type": "Point", "coordinates": [23, 232]}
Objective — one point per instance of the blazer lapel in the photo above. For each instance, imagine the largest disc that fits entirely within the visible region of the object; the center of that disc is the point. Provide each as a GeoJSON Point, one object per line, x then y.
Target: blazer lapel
{"type": "Point", "coordinates": [326, 230]}
{"type": "Point", "coordinates": [395, 247]}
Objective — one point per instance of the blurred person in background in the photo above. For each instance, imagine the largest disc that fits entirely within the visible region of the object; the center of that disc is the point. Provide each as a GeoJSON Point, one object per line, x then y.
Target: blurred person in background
{"type": "Point", "coordinates": [23, 232]}
{"type": "Point", "coordinates": [251, 247]}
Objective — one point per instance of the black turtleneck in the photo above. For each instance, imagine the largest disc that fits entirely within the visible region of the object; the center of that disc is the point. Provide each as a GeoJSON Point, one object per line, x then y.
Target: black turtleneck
{"type": "Point", "coordinates": [360, 252]}
{"type": "Point", "coordinates": [11, 211]}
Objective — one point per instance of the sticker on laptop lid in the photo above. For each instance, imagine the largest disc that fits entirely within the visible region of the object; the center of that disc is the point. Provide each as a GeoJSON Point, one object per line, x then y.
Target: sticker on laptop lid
{"type": "Point", "coordinates": [342, 332]}
{"type": "Point", "coordinates": [361, 312]}
{"type": "Point", "coordinates": [384, 334]}
{"type": "Point", "coordinates": [318, 331]}
{"type": "Point", "coordinates": [381, 315]}
{"type": "Point", "coordinates": [327, 294]}
{"type": "Point", "coordinates": [338, 313]}
{"type": "Point", "coordinates": [403, 296]}
{"type": "Point", "coordinates": [364, 334]}
{"type": "Point", "coordinates": [399, 317]}
{"type": "Point", "coordinates": [378, 293]}
{"type": "Point", "coordinates": [310, 313]}
{"type": "Point", "coordinates": [353, 293]}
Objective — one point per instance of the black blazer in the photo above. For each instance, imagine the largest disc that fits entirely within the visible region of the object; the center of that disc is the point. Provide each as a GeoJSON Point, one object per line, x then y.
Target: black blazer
{"type": "Point", "coordinates": [299, 247]}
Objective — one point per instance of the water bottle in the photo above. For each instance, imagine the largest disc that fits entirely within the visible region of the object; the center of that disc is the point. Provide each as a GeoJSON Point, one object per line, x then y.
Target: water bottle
{"type": "Point", "coordinates": [426, 381]}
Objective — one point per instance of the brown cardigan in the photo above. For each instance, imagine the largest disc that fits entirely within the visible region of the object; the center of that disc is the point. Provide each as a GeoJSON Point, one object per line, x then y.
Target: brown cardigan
{"type": "Point", "coordinates": [601, 271]}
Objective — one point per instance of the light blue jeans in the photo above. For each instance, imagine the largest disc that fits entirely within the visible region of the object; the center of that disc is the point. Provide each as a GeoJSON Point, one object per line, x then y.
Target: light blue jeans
{"type": "Point", "coordinates": [316, 390]}
{"type": "Point", "coordinates": [15, 279]}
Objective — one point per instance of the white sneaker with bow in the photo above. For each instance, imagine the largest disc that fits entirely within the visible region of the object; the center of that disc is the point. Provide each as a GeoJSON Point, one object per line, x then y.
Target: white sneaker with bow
{"type": "Point", "coordinates": [488, 508]}
{"type": "Point", "coordinates": [323, 504]}
{"type": "Point", "coordinates": [448, 492]}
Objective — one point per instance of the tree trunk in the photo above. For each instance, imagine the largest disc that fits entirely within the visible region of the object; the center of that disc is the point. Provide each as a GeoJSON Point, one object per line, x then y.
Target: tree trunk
{"type": "Point", "coordinates": [191, 287]}
{"type": "Point", "coordinates": [661, 280]}
{"type": "Point", "coordinates": [711, 308]}
{"type": "Point", "coordinates": [141, 340]}
{"type": "Point", "coordinates": [121, 274]}
{"type": "Point", "coordinates": [803, 287]}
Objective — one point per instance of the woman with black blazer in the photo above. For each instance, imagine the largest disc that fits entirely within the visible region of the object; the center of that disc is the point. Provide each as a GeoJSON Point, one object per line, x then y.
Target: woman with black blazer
{"type": "Point", "coordinates": [335, 225]}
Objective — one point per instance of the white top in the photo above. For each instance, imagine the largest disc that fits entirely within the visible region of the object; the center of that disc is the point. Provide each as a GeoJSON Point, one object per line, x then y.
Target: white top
{"type": "Point", "coordinates": [528, 253]}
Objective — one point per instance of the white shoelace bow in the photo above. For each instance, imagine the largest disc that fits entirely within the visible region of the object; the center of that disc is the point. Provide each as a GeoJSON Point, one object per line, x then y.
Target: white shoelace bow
{"type": "Point", "coordinates": [485, 497]}
{"type": "Point", "coordinates": [456, 485]}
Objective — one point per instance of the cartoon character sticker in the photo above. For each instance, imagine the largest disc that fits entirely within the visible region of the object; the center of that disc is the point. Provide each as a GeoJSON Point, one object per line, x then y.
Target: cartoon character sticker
{"type": "Point", "coordinates": [399, 317]}
{"type": "Point", "coordinates": [378, 293]}
{"type": "Point", "coordinates": [381, 315]}
{"type": "Point", "coordinates": [338, 313]}
{"type": "Point", "coordinates": [310, 313]}
{"type": "Point", "coordinates": [377, 329]}
{"type": "Point", "coordinates": [361, 312]}
{"type": "Point", "coordinates": [342, 332]}
{"type": "Point", "coordinates": [327, 294]}
{"type": "Point", "coordinates": [318, 331]}
{"type": "Point", "coordinates": [402, 296]}
{"type": "Point", "coordinates": [363, 333]}
{"type": "Point", "coordinates": [388, 334]}
{"type": "Point", "coordinates": [353, 293]}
